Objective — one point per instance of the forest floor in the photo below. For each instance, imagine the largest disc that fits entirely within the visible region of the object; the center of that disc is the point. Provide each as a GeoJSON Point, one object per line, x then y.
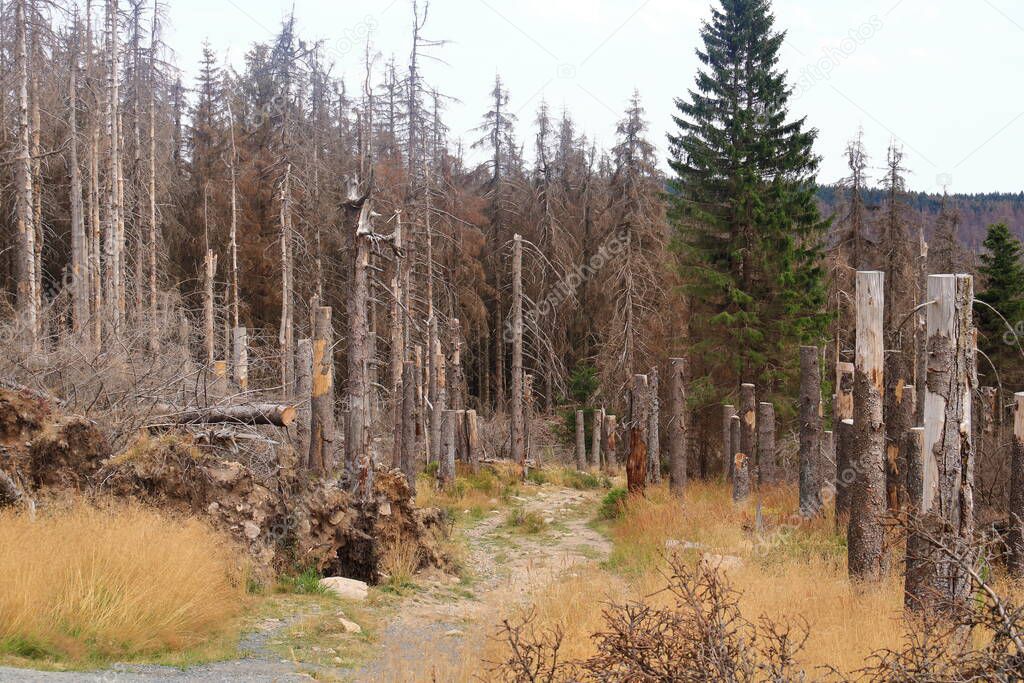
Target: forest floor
{"type": "Point", "coordinates": [434, 627]}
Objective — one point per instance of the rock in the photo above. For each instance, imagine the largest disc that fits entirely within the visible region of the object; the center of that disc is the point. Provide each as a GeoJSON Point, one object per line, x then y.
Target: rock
{"type": "Point", "coordinates": [454, 632]}
{"type": "Point", "coordinates": [251, 530]}
{"type": "Point", "coordinates": [350, 626]}
{"type": "Point", "coordinates": [338, 660]}
{"type": "Point", "coordinates": [385, 508]}
{"type": "Point", "coordinates": [549, 520]}
{"type": "Point", "coordinates": [348, 589]}
{"type": "Point", "coordinates": [723, 562]}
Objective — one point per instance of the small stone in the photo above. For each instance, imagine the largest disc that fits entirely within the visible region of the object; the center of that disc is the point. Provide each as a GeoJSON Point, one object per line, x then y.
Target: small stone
{"type": "Point", "coordinates": [251, 530]}
{"type": "Point", "coordinates": [350, 626]}
{"type": "Point", "coordinates": [385, 509]}
{"type": "Point", "coordinates": [454, 632]}
{"type": "Point", "coordinates": [723, 562]}
{"type": "Point", "coordinates": [349, 589]}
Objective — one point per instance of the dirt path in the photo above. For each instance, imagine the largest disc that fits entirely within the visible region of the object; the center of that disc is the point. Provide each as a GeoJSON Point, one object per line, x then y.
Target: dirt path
{"type": "Point", "coordinates": [439, 630]}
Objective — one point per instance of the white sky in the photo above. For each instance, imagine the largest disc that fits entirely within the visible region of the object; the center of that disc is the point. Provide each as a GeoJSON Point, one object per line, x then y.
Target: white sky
{"type": "Point", "coordinates": [942, 76]}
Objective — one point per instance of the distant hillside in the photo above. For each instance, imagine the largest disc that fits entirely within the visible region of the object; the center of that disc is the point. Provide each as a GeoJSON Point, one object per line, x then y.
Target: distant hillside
{"type": "Point", "coordinates": [977, 211]}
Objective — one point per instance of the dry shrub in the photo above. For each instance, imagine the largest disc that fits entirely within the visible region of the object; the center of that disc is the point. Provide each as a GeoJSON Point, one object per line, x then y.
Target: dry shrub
{"type": "Point", "coordinates": [399, 562]}
{"type": "Point", "coordinates": [91, 584]}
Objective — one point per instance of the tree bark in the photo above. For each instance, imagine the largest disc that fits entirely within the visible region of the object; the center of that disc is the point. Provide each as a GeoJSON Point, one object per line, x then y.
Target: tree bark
{"type": "Point", "coordinates": [27, 298]}
{"type": "Point", "coordinates": [79, 242]}
{"type": "Point", "coordinates": [472, 440]}
{"type": "Point", "coordinates": [240, 359]}
{"type": "Point", "coordinates": [900, 404]}
{"type": "Point", "coordinates": [358, 462]}
{"type": "Point", "coordinates": [810, 432]}
{"type": "Point", "coordinates": [639, 420]}
{"type": "Point", "coordinates": [581, 442]}
{"type": "Point", "coordinates": [1016, 520]}
{"type": "Point", "coordinates": [596, 436]}
{"type": "Point", "coordinates": [209, 326]}
{"type": "Point", "coordinates": [845, 474]}
{"type": "Point", "coordinates": [518, 427]}
{"type": "Point", "coordinates": [321, 426]}
{"type": "Point", "coordinates": [654, 429]}
{"type": "Point", "coordinates": [865, 536]}
{"type": "Point", "coordinates": [766, 443]}
{"type": "Point", "coordinates": [919, 554]}
{"type": "Point", "coordinates": [304, 391]}
{"type": "Point", "coordinates": [728, 411]}
{"type": "Point", "coordinates": [741, 464]}
{"type": "Point", "coordinates": [748, 426]}
{"type": "Point", "coordinates": [286, 335]}
{"type": "Point", "coordinates": [276, 414]}
{"type": "Point", "coordinates": [446, 464]}
{"type": "Point", "coordinates": [679, 428]}
{"type": "Point", "coordinates": [611, 441]}
{"type": "Point", "coordinates": [407, 452]}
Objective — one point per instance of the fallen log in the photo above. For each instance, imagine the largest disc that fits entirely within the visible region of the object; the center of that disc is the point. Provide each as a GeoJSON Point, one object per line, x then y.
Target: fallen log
{"type": "Point", "coordinates": [276, 414]}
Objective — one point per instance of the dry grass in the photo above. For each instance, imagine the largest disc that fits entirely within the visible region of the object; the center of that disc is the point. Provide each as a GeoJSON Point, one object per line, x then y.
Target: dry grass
{"type": "Point", "coordinates": [88, 585]}
{"type": "Point", "coordinates": [399, 563]}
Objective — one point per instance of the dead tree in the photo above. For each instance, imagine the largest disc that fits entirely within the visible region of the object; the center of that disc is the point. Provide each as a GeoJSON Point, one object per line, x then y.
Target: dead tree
{"type": "Point", "coordinates": [518, 428]}
{"type": "Point", "coordinates": [596, 436]}
{"type": "Point", "coordinates": [843, 420]}
{"type": "Point", "coordinates": [900, 403]}
{"type": "Point", "coordinates": [916, 588]}
{"type": "Point", "coordinates": [456, 375]}
{"type": "Point", "coordinates": [765, 443]}
{"type": "Point", "coordinates": [286, 335]}
{"type": "Point", "coordinates": [639, 421]}
{"type": "Point", "coordinates": [209, 317]}
{"type": "Point", "coordinates": [440, 380]}
{"type": "Point", "coordinates": [611, 440]}
{"type": "Point", "coordinates": [741, 463]}
{"type": "Point", "coordinates": [446, 463]}
{"type": "Point", "coordinates": [321, 426]}
{"type": "Point", "coordinates": [810, 432]}
{"type": "Point", "coordinates": [653, 429]}
{"type": "Point", "coordinates": [115, 235]}
{"type": "Point", "coordinates": [679, 427]}
{"type": "Point", "coordinates": [407, 453]}
{"type": "Point", "coordinates": [303, 391]}
{"type": "Point", "coordinates": [358, 464]}
{"type": "Point", "coordinates": [275, 414]}
{"type": "Point", "coordinates": [28, 297]}
{"type": "Point", "coordinates": [472, 440]}
{"type": "Point", "coordinates": [986, 420]}
{"type": "Point", "coordinates": [728, 411]}
{"type": "Point", "coordinates": [581, 442]}
{"type": "Point", "coordinates": [748, 425]}
{"type": "Point", "coordinates": [865, 536]}
{"type": "Point", "coordinates": [240, 359]}
{"type": "Point", "coordinates": [1016, 521]}
{"type": "Point", "coordinates": [828, 464]}
{"type": "Point", "coordinates": [948, 497]}
{"type": "Point", "coordinates": [79, 242]}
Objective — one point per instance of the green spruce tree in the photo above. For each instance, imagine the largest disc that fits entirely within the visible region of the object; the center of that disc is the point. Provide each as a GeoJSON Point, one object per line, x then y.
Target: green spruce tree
{"type": "Point", "coordinates": [747, 225]}
{"type": "Point", "coordinates": [1003, 281]}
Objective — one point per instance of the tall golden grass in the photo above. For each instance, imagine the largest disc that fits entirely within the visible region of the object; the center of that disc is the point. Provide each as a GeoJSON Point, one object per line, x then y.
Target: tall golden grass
{"type": "Point", "coordinates": [89, 584]}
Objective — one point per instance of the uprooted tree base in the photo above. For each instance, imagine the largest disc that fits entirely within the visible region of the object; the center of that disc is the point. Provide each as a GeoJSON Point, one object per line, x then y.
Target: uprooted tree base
{"type": "Point", "coordinates": [284, 517]}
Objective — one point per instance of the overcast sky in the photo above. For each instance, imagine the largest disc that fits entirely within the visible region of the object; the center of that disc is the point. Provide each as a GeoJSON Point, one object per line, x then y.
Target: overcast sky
{"type": "Point", "coordinates": [943, 77]}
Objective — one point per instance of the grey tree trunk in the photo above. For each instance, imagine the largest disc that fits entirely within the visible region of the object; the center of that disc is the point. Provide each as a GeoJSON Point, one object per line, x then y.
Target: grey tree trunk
{"type": "Point", "coordinates": [728, 411]}
{"type": "Point", "coordinates": [766, 443]}
{"type": "Point", "coordinates": [810, 432]}
{"type": "Point", "coordinates": [407, 454]}
{"type": "Point", "coordinates": [654, 429]}
{"type": "Point", "coordinates": [79, 242]}
{"type": "Point", "coordinates": [286, 334]}
{"type": "Point", "coordinates": [865, 535]}
{"type": "Point", "coordinates": [358, 459]}
{"type": "Point", "coordinates": [679, 428]}
{"type": "Point", "coordinates": [1016, 535]}
{"type": "Point", "coordinates": [919, 554]}
{"type": "Point", "coordinates": [446, 465]}
{"type": "Point", "coordinates": [240, 359]}
{"type": "Point", "coordinates": [845, 474]}
{"type": "Point", "coordinates": [900, 403]}
{"type": "Point", "coordinates": [518, 428]}
{"type": "Point", "coordinates": [303, 392]}
{"type": "Point", "coordinates": [472, 440]}
{"type": "Point", "coordinates": [748, 428]}
{"type": "Point", "coordinates": [581, 442]}
{"type": "Point", "coordinates": [611, 440]}
{"type": "Point", "coordinates": [741, 466]}
{"type": "Point", "coordinates": [209, 327]}
{"type": "Point", "coordinates": [596, 436]}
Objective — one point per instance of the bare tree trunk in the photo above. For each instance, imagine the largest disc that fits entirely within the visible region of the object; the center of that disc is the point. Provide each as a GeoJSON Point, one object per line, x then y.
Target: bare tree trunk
{"type": "Point", "coordinates": [919, 554]}
{"type": "Point", "coordinates": [398, 350]}
{"type": "Point", "coordinates": [595, 439]}
{"type": "Point", "coordinates": [304, 391]}
{"type": "Point", "coordinates": [446, 464]}
{"type": "Point", "coordinates": [438, 365]}
{"type": "Point", "coordinates": [865, 535]}
{"type": "Point", "coordinates": [209, 331]}
{"type": "Point", "coordinates": [321, 400]}
{"type": "Point", "coordinates": [240, 359]}
{"type": "Point", "coordinates": [653, 429]}
{"type": "Point", "coordinates": [766, 443]}
{"type": "Point", "coordinates": [581, 442]}
{"type": "Point", "coordinates": [28, 297]}
{"type": "Point", "coordinates": [741, 463]}
{"type": "Point", "coordinates": [987, 428]}
{"type": "Point", "coordinates": [79, 243]}
{"type": "Point", "coordinates": [407, 454]}
{"type": "Point", "coordinates": [842, 413]}
{"type": "Point", "coordinates": [810, 432]}
{"type": "Point", "coordinates": [232, 161]}
{"type": "Point", "coordinates": [422, 418]}
{"type": "Point", "coordinates": [286, 336]}
{"type": "Point", "coordinates": [639, 421]}
{"type": "Point", "coordinates": [276, 414]}
{"type": "Point", "coordinates": [679, 428]}
{"type": "Point", "coordinates": [456, 376]}
{"type": "Point", "coordinates": [358, 463]}
{"type": "Point", "coordinates": [948, 503]}
{"type": "Point", "coordinates": [728, 411]}
{"type": "Point", "coordinates": [748, 426]}
{"type": "Point", "coordinates": [900, 406]}
{"type": "Point", "coordinates": [1016, 521]}
{"type": "Point", "coordinates": [611, 441]}
{"type": "Point", "coordinates": [472, 440]}
{"type": "Point", "coordinates": [114, 298]}
{"type": "Point", "coordinates": [153, 230]}
{"type": "Point", "coordinates": [518, 428]}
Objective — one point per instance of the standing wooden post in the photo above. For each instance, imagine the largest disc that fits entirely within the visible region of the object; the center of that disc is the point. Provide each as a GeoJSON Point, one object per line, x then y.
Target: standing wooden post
{"type": "Point", "coordinates": [748, 427]}
{"type": "Point", "coordinates": [741, 464]}
{"type": "Point", "coordinates": [1016, 535]}
{"type": "Point", "coordinates": [472, 440]}
{"type": "Point", "coordinates": [865, 537]}
{"type": "Point", "coordinates": [919, 554]}
{"type": "Point", "coordinates": [679, 428]}
{"type": "Point", "coordinates": [321, 425]}
{"type": "Point", "coordinates": [653, 429]}
{"type": "Point", "coordinates": [446, 464]}
{"type": "Point", "coordinates": [407, 453]}
{"type": "Point", "coordinates": [240, 360]}
{"type": "Point", "coordinates": [636, 461]}
{"type": "Point", "coordinates": [948, 502]}
{"type": "Point", "coordinates": [728, 411]}
{"type": "Point", "coordinates": [518, 427]}
{"type": "Point", "coordinates": [900, 403]}
{"type": "Point", "coordinates": [810, 432]}
{"type": "Point", "coordinates": [581, 442]}
{"type": "Point", "coordinates": [303, 393]}
{"type": "Point", "coordinates": [843, 419]}
{"type": "Point", "coordinates": [765, 443]}
{"type": "Point", "coordinates": [595, 439]}
{"type": "Point", "coordinates": [611, 441]}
